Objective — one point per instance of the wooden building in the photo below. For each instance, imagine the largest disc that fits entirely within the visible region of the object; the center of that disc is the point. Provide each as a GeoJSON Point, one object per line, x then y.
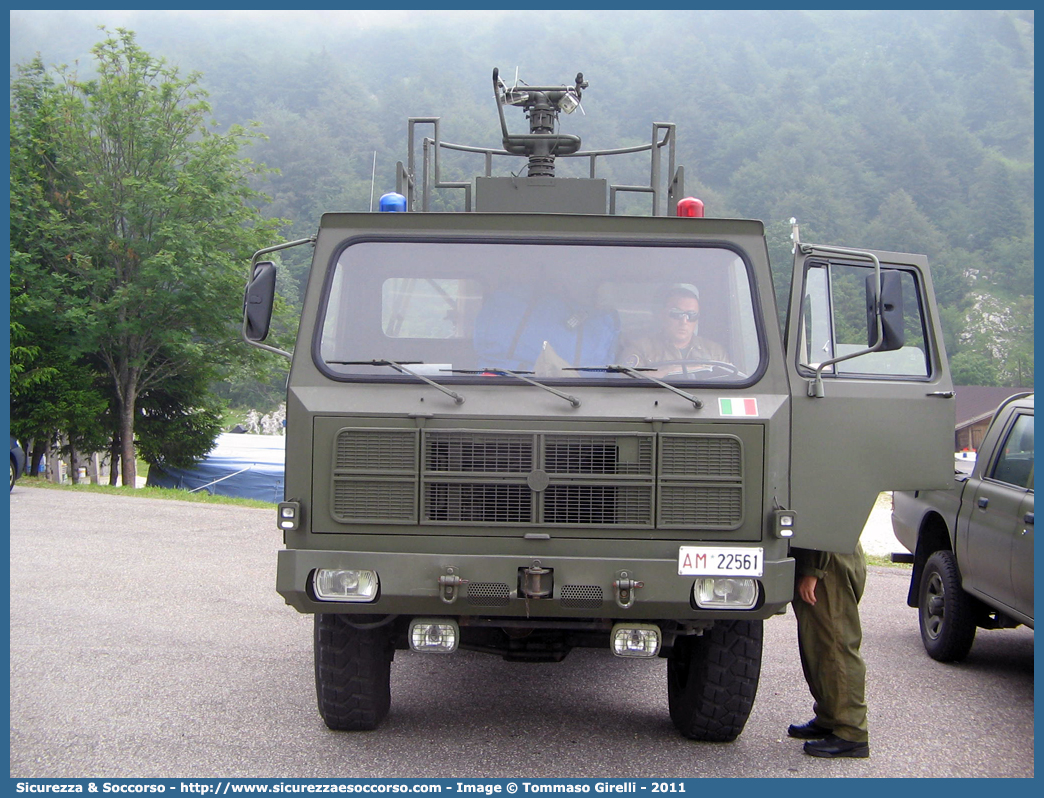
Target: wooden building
{"type": "Point", "coordinates": [975, 407]}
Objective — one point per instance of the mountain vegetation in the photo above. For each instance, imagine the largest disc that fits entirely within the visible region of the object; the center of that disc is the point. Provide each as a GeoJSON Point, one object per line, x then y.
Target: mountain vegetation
{"type": "Point", "coordinates": [897, 130]}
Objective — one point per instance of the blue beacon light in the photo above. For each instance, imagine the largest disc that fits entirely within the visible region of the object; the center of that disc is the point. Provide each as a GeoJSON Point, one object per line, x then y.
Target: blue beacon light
{"type": "Point", "coordinates": [392, 203]}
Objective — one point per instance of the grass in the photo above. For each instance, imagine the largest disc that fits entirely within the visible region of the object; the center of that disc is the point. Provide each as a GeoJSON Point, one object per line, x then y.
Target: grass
{"type": "Point", "coordinates": [877, 559]}
{"type": "Point", "coordinates": [146, 493]}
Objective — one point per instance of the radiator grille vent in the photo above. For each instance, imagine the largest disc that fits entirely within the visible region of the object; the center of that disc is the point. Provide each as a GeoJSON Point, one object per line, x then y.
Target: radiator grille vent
{"type": "Point", "coordinates": [483, 503]}
{"type": "Point", "coordinates": [598, 504]}
{"type": "Point", "coordinates": [375, 476]}
{"type": "Point", "coordinates": [487, 594]}
{"type": "Point", "coordinates": [370, 450]}
{"type": "Point", "coordinates": [576, 454]}
{"type": "Point", "coordinates": [701, 482]}
{"type": "Point", "coordinates": [705, 506]}
{"type": "Point", "coordinates": [582, 597]}
{"type": "Point", "coordinates": [469, 452]}
{"type": "Point", "coordinates": [701, 456]}
{"type": "Point", "coordinates": [373, 500]}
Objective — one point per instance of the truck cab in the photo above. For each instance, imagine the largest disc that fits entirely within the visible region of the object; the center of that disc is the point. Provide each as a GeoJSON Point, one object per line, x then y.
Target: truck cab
{"type": "Point", "coordinates": [499, 438]}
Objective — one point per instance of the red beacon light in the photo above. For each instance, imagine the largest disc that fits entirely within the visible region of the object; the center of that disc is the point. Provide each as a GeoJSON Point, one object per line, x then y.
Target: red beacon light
{"type": "Point", "coordinates": [690, 206]}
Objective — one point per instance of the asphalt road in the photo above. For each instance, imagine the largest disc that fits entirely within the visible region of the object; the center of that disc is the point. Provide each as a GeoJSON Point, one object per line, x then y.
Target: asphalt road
{"type": "Point", "coordinates": [147, 640]}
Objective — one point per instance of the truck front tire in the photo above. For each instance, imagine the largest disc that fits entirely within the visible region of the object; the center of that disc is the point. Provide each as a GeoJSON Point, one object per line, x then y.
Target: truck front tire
{"type": "Point", "coordinates": [712, 680]}
{"type": "Point", "coordinates": [352, 672]}
{"type": "Point", "coordinates": [945, 612]}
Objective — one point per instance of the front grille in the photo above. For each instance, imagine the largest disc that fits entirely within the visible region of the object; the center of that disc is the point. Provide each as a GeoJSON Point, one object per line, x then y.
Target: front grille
{"type": "Point", "coordinates": [478, 477]}
{"type": "Point", "coordinates": [464, 477]}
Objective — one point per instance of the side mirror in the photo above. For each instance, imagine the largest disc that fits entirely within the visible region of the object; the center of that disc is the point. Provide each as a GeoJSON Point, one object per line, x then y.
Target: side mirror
{"type": "Point", "coordinates": [891, 304]}
{"type": "Point", "coordinates": [258, 302]}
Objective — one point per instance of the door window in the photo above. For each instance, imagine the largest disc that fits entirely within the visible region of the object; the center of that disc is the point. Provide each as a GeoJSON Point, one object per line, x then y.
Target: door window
{"type": "Point", "coordinates": [1015, 461]}
{"type": "Point", "coordinates": [834, 323]}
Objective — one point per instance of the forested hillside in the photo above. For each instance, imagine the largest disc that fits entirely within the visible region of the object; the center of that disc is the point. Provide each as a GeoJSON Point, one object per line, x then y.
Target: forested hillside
{"type": "Point", "coordinates": [909, 131]}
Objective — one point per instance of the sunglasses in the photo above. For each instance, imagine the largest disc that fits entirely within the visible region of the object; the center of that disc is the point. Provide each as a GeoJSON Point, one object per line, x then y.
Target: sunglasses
{"type": "Point", "coordinates": [688, 315]}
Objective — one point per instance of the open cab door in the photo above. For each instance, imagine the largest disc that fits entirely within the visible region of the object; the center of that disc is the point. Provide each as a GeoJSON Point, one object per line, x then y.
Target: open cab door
{"type": "Point", "coordinates": [872, 401]}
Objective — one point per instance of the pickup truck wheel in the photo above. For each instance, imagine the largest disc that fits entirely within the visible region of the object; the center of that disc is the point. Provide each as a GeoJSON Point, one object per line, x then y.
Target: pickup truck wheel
{"type": "Point", "coordinates": [352, 673]}
{"type": "Point", "coordinates": [712, 680]}
{"type": "Point", "coordinates": [946, 612]}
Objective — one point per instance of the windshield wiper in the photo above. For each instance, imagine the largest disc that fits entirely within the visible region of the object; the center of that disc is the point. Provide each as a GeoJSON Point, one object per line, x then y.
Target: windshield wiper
{"type": "Point", "coordinates": [521, 376]}
{"type": "Point", "coordinates": [401, 368]}
{"type": "Point", "coordinates": [637, 374]}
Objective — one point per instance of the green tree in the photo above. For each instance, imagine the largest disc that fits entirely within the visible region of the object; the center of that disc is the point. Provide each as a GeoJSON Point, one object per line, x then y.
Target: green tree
{"type": "Point", "coordinates": [179, 419]}
{"type": "Point", "coordinates": [52, 391]}
{"type": "Point", "coordinates": [52, 388]}
{"type": "Point", "coordinates": [998, 207]}
{"type": "Point", "coordinates": [150, 216]}
{"type": "Point", "coordinates": [973, 368]}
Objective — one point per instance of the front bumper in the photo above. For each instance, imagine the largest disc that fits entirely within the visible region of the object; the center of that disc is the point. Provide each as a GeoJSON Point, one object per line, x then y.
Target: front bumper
{"type": "Point", "coordinates": [583, 587]}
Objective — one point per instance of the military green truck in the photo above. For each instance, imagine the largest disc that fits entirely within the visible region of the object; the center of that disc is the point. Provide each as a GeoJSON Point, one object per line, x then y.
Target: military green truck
{"type": "Point", "coordinates": [498, 441]}
{"type": "Point", "coordinates": [972, 545]}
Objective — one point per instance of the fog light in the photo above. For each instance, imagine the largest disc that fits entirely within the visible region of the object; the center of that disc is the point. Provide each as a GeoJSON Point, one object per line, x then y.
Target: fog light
{"type": "Point", "coordinates": [434, 635]}
{"type": "Point", "coordinates": [635, 640]}
{"type": "Point", "coordinates": [725, 591]}
{"type": "Point", "coordinates": [346, 585]}
{"type": "Point", "coordinates": [289, 515]}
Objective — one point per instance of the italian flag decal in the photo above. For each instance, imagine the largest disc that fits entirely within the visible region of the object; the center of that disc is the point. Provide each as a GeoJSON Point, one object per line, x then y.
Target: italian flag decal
{"type": "Point", "coordinates": [738, 407]}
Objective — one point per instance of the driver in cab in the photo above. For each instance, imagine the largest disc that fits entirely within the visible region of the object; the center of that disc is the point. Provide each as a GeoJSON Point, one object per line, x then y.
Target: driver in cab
{"type": "Point", "coordinates": [675, 347]}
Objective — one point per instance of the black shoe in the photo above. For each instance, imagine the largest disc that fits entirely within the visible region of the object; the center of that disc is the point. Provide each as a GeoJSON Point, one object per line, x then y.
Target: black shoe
{"type": "Point", "coordinates": [833, 746]}
{"type": "Point", "coordinates": [809, 731]}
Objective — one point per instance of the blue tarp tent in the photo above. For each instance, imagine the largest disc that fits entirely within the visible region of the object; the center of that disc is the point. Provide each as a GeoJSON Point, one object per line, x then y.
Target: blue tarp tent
{"type": "Point", "coordinates": [243, 465]}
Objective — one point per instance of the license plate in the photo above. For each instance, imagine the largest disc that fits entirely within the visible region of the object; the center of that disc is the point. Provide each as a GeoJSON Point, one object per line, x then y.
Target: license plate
{"type": "Point", "coordinates": [720, 561]}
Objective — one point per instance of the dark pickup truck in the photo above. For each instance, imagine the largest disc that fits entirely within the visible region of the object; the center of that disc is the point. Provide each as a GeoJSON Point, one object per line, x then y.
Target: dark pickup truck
{"type": "Point", "coordinates": [973, 545]}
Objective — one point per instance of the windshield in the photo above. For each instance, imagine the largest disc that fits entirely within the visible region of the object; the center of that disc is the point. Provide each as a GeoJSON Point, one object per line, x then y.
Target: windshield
{"type": "Point", "coordinates": [557, 311]}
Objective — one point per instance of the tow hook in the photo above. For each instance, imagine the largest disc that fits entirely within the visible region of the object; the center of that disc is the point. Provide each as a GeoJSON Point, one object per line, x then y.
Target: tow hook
{"type": "Point", "coordinates": [624, 588]}
{"type": "Point", "coordinates": [449, 584]}
{"type": "Point", "coordinates": [536, 582]}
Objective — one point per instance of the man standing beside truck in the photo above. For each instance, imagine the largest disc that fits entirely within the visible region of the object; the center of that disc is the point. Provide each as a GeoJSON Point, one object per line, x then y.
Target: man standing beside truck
{"type": "Point", "coordinates": [828, 589]}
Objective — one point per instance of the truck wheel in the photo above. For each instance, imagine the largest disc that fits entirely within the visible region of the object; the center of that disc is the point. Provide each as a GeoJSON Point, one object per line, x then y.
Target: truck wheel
{"type": "Point", "coordinates": [712, 680]}
{"type": "Point", "coordinates": [946, 612]}
{"type": "Point", "coordinates": [352, 673]}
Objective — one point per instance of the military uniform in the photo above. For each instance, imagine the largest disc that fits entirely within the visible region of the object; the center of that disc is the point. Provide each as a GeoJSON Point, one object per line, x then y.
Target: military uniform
{"type": "Point", "coordinates": [642, 352]}
{"type": "Point", "coordinates": [829, 636]}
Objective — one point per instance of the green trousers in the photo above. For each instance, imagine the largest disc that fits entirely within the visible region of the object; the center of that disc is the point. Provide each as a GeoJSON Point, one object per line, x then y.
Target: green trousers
{"type": "Point", "coordinates": [829, 637]}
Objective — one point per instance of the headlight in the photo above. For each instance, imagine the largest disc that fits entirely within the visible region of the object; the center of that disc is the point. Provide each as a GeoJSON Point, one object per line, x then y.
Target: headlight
{"type": "Point", "coordinates": [333, 584]}
{"type": "Point", "coordinates": [730, 592]}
